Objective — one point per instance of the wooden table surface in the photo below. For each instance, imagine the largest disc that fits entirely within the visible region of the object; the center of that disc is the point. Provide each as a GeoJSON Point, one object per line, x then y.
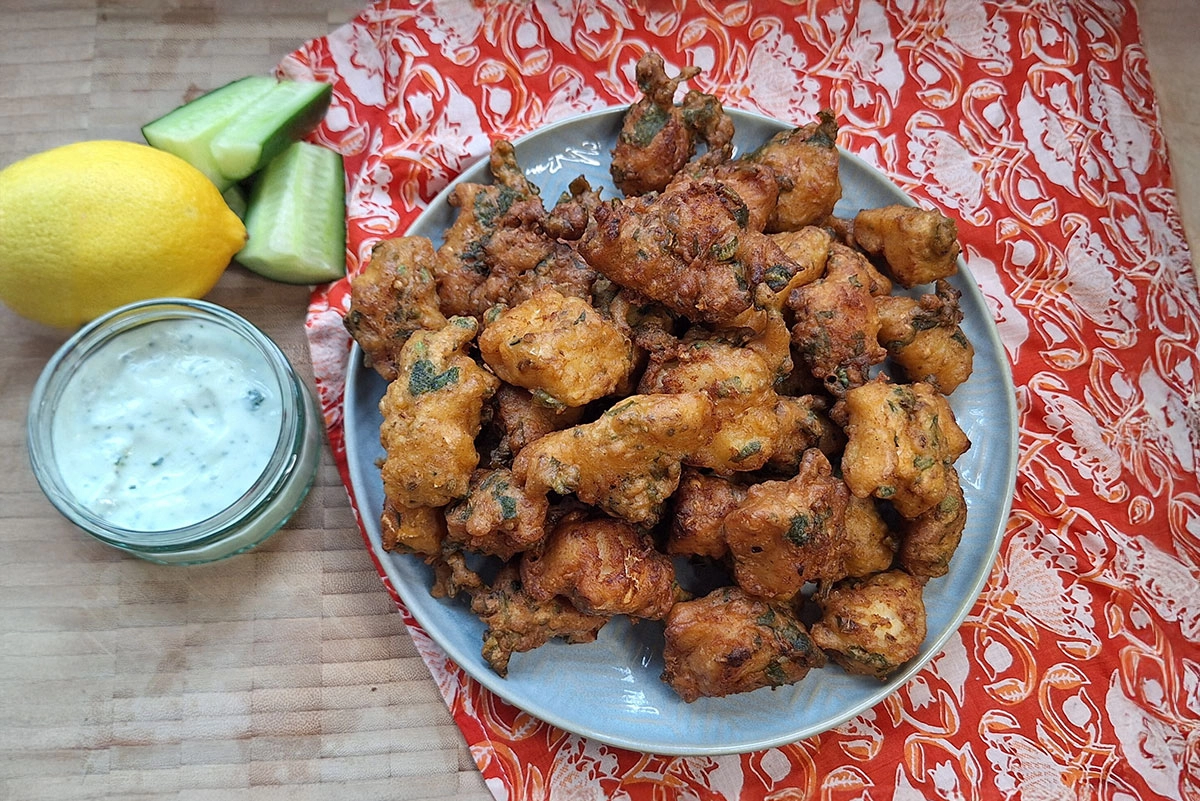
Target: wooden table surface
{"type": "Point", "coordinates": [283, 673]}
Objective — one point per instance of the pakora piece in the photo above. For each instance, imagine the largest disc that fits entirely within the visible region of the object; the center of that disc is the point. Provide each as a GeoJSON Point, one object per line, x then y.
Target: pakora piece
{"type": "Point", "coordinates": [870, 544]}
{"type": "Point", "coordinates": [837, 323]}
{"type": "Point", "coordinates": [928, 541]}
{"type": "Point", "coordinates": [412, 529]}
{"type": "Point", "coordinates": [521, 418]}
{"type": "Point", "coordinates": [392, 297]}
{"type": "Point", "coordinates": [788, 533]}
{"type": "Point", "coordinates": [806, 161]}
{"type": "Point", "coordinates": [627, 462]}
{"type": "Point", "coordinates": [756, 184]}
{"type": "Point", "coordinates": [432, 413]}
{"type": "Point", "coordinates": [560, 348]}
{"type": "Point", "coordinates": [461, 266]}
{"type": "Point", "coordinates": [924, 338]}
{"type": "Point", "coordinates": [902, 440]}
{"type": "Point", "coordinates": [699, 508]}
{"type": "Point", "coordinates": [728, 642]}
{"type": "Point", "coordinates": [517, 623]}
{"type": "Point", "coordinates": [658, 137]}
{"type": "Point", "coordinates": [497, 517]}
{"type": "Point", "coordinates": [917, 246]}
{"type": "Point", "coordinates": [604, 567]}
{"type": "Point", "coordinates": [872, 626]}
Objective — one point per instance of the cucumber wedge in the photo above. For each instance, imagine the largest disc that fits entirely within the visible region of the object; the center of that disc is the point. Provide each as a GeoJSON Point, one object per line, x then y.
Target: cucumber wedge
{"type": "Point", "coordinates": [288, 112]}
{"type": "Point", "coordinates": [188, 131]}
{"type": "Point", "coordinates": [296, 218]}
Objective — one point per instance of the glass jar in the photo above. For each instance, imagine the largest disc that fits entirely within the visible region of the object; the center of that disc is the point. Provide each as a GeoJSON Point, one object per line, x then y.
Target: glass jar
{"type": "Point", "coordinates": [174, 430]}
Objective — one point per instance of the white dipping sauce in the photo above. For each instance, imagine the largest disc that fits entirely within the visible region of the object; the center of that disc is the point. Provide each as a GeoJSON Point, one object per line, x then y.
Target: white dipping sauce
{"type": "Point", "coordinates": [167, 424]}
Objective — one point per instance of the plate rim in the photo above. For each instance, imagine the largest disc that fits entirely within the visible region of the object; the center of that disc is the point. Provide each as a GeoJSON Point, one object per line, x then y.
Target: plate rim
{"type": "Point", "coordinates": [497, 685]}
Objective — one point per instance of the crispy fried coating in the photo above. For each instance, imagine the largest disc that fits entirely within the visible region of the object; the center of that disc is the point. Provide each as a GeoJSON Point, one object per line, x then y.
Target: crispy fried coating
{"type": "Point", "coordinates": [604, 567]}
{"type": "Point", "coordinates": [559, 348]}
{"type": "Point", "coordinates": [394, 295]}
{"type": "Point", "coordinates": [902, 440]}
{"type": "Point", "coordinates": [872, 626]}
{"type": "Point", "coordinates": [521, 418]}
{"type": "Point", "coordinates": [924, 338]}
{"type": "Point", "coordinates": [756, 184]}
{"type": "Point", "coordinates": [917, 246]}
{"type": "Point", "coordinates": [497, 517]}
{"type": "Point", "coordinates": [432, 413]}
{"type": "Point", "coordinates": [628, 461]}
{"type": "Point", "coordinates": [700, 505]}
{"type": "Point", "coordinates": [412, 529]}
{"type": "Point", "coordinates": [461, 267]}
{"type": "Point", "coordinates": [517, 623]}
{"type": "Point", "coordinates": [802, 422]}
{"type": "Point", "coordinates": [570, 216]}
{"type": "Point", "coordinates": [837, 323]}
{"type": "Point", "coordinates": [806, 161]}
{"type": "Point", "coordinates": [787, 533]}
{"type": "Point", "coordinates": [928, 541]}
{"type": "Point", "coordinates": [809, 247]}
{"type": "Point", "coordinates": [658, 137]}
{"type": "Point", "coordinates": [678, 248]}
{"type": "Point", "coordinates": [728, 642]}
{"type": "Point", "coordinates": [870, 544]}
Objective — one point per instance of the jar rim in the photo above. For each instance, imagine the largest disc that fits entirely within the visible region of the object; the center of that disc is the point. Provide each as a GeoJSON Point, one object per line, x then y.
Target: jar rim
{"type": "Point", "coordinates": [58, 372]}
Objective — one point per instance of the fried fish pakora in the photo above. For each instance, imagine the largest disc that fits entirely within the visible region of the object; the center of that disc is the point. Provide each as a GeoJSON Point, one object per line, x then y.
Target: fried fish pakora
{"type": "Point", "coordinates": [902, 440]}
{"type": "Point", "coordinates": [806, 161]}
{"type": "Point", "coordinates": [517, 623]}
{"type": "Point", "coordinates": [928, 541]}
{"type": "Point", "coordinates": [412, 529]}
{"type": "Point", "coordinates": [872, 626]}
{"type": "Point", "coordinates": [520, 418]}
{"type": "Point", "coordinates": [393, 296]}
{"type": "Point", "coordinates": [728, 642]}
{"type": "Point", "coordinates": [604, 567]}
{"type": "Point", "coordinates": [788, 533]}
{"type": "Point", "coordinates": [756, 184]}
{"type": "Point", "coordinates": [917, 246]}
{"type": "Point", "coordinates": [497, 517]}
{"type": "Point", "coordinates": [923, 337]}
{"type": "Point", "coordinates": [432, 413]}
{"type": "Point", "coordinates": [837, 323]}
{"type": "Point", "coordinates": [628, 462]}
{"type": "Point", "coordinates": [658, 137]}
{"type": "Point", "coordinates": [559, 348]}
{"type": "Point", "coordinates": [870, 544]}
{"type": "Point", "coordinates": [700, 505]}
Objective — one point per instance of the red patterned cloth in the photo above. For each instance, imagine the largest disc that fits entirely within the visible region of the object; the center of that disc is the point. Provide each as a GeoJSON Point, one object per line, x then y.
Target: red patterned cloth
{"type": "Point", "coordinates": [1077, 673]}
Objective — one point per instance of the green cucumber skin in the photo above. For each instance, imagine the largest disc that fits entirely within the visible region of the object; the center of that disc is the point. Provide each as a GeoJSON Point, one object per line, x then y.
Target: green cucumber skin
{"type": "Point", "coordinates": [188, 131]}
{"type": "Point", "coordinates": [296, 219]}
{"type": "Point", "coordinates": [289, 112]}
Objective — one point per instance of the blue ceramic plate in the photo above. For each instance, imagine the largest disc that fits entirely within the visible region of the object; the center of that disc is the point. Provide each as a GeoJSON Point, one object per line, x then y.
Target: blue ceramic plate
{"type": "Point", "coordinates": [610, 690]}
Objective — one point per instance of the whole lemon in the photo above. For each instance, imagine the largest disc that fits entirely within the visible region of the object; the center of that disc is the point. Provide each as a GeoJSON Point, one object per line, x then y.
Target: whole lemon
{"type": "Point", "coordinates": [94, 225]}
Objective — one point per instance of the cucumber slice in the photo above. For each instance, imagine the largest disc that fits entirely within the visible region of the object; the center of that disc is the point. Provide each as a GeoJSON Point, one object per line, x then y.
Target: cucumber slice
{"type": "Point", "coordinates": [296, 219]}
{"type": "Point", "coordinates": [283, 115]}
{"type": "Point", "coordinates": [188, 130]}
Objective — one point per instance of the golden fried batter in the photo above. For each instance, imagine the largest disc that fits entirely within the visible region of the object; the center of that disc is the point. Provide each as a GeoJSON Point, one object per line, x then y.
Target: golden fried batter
{"type": "Point", "coordinates": [559, 348]}
{"type": "Point", "coordinates": [497, 516]}
{"type": "Point", "coordinates": [431, 415]}
{"type": "Point", "coordinates": [393, 296]}
{"type": "Point", "coordinates": [923, 337]}
{"type": "Point", "coordinates": [627, 462]}
{"type": "Point", "coordinates": [872, 626]}
{"type": "Point", "coordinates": [517, 623]}
{"type": "Point", "coordinates": [756, 184]}
{"type": "Point", "coordinates": [728, 642]}
{"type": "Point", "coordinates": [787, 533]}
{"type": "Point", "coordinates": [700, 505]}
{"type": "Point", "coordinates": [917, 245]}
{"type": "Point", "coordinates": [806, 161]}
{"type": "Point", "coordinates": [521, 418]}
{"type": "Point", "coordinates": [837, 324]}
{"type": "Point", "coordinates": [412, 529]}
{"type": "Point", "coordinates": [802, 423]}
{"type": "Point", "coordinates": [929, 540]}
{"type": "Point", "coordinates": [870, 545]}
{"type": "Point", "coordinates": [604, 567]}
{"type": "Point", "coordinates": [658, 137]}
{"type": "Point", "coordinates": [902, 441]}
{"type": "Point", "coordinates": [808, 247]}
